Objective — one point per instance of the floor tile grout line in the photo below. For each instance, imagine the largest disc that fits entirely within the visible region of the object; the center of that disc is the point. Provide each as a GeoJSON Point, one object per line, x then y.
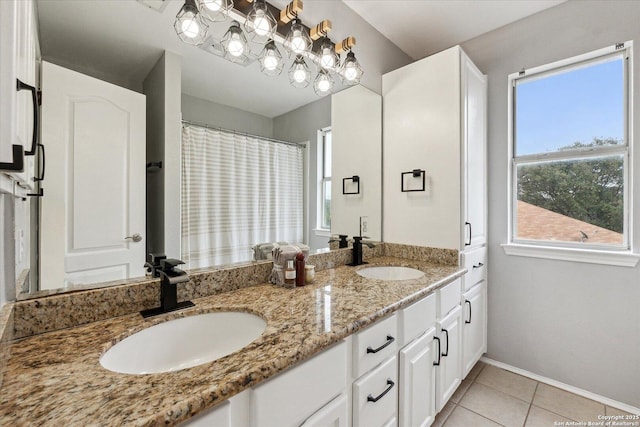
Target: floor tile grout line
{"type": "Point", "coordinates": [483, 416]}
{"type": "Point", "coordinates": [501, 391]}
{"type": "Point", "coordinates": [531, 404]}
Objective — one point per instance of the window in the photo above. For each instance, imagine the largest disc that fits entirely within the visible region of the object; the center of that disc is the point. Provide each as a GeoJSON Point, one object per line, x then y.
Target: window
{"type": "Point", "coordinates": [570, 152]}
{"type": "Point", "coordinates": [324, 221]}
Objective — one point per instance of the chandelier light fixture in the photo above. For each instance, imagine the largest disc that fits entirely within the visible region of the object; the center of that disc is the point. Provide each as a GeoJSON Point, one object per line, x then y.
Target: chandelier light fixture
{"type": "Point", "coordinates": [256, 28]}
{"type": "Point", "coordinates": [189, 25]}
{"type": "Point", "coordinates": [299, 73]}
{"type": "Point", "coordinates": [271, 62]}
{"type": "Point", "coordinates": [215, 10]}
{"type": "Point", "coordinates": [235, 44]}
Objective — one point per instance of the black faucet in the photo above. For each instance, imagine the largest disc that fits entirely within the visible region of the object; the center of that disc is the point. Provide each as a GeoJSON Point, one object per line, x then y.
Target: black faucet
{"type": "Point", "coordinates": [357, 250]}
{"type": "Point", "coordinates": [153, 264]}
{"type": "Point", "coordinates": [170, 276]}
{"type": "Point", "coordinates": [343, 241]}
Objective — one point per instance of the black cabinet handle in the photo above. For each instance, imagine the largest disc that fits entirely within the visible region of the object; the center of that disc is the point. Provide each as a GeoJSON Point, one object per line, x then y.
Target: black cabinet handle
{"type": "Point", "coordinates": [17, 164]}
{"type": "Point", "coordinates": [468, 302]}
{"type": "Point", "coordinates": [446, 353]}
{"type": "Point", "coordinates": [478, 265]}
{"type": "Point", "coordinates": [44, 162]}
{"type": "Point", "coordinates": [381, 395]}
{"type": "Point", "coordinates": [390, 339]}
{"type": "Point", "coordinates": [439, 355]}
{"type": "Point", "coordinates": [469, 242]}
{"type": "Point", "coordinates": [34, 97]}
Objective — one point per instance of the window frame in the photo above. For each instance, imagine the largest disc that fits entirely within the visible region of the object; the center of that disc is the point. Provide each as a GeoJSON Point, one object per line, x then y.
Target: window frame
{"type": "Point", "coordinates": [594, 253]}
{"type": "Point", "coordinates": [322, 179]}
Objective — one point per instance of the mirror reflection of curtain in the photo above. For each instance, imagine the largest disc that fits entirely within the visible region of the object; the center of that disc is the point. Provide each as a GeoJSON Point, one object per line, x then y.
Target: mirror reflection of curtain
{"type": "Point", "coordinates": [237, 191]}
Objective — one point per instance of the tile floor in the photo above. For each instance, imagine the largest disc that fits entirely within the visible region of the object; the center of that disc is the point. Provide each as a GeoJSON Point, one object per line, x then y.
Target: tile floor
{"type": "Point", "coordinates": [493, 397]}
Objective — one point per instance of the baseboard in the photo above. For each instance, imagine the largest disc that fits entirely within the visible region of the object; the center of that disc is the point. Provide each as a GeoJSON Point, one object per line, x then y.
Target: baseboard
{"type": "Point", "coordinates": [575, 390]}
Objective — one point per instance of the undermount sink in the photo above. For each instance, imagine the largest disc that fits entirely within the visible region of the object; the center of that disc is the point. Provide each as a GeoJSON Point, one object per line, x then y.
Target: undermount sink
{"type": "Point", "coordinates": [390, 273]}
{"type": "Point", "coordinates": [183, 343]}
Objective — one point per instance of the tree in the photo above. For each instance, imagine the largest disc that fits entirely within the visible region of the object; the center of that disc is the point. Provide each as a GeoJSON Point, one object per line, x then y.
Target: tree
{"type": "Point", "coordinates": [589, 189]}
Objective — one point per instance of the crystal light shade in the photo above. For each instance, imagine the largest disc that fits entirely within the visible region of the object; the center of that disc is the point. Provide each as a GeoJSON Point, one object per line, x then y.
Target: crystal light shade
{"type": "Point", "coordinates": [260, 24]}
{"type": "Point", "coordinates": [350, 71]}
{"type": "Point", "coordinates": [271, 62]}
{"type": "Point", "coordinates": [327, 57]}
{"type": "Point", "coordinates": [323, 83]}
{"type": "Point", "coordinates": [299, 75]}
{"type": "Point", "coordinates": [235, 44]}
{"type": "Point", "coordinates": [189, 25]}
{"type": "Point", "coordinates": [297, 41]}
{"type": "Point", "coordinates": [215, 10]}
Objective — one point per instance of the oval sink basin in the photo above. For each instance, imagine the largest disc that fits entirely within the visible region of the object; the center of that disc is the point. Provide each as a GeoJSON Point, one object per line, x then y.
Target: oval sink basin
{"type": "Point", "coordinates": [183, 343]}
{"type": "Point", "coordinates": [390, 273]}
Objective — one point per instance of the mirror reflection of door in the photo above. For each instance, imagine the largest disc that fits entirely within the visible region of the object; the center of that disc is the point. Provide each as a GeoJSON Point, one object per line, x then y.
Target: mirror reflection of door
{"type": "Point", "coordinates": [93, 208]}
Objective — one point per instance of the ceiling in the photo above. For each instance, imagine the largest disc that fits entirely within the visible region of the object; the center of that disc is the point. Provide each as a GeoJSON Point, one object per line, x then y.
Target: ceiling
{"type": "Point", "coordinates": [121, 40]}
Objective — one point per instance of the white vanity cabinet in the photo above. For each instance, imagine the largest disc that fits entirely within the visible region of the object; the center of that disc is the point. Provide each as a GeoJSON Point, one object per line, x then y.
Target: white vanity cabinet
{"type": "Point", "coordinates": [375, 374]}
{"type": "Point", "coordinates": [288, 399]}
{"type": "Point", "coordinates": [399, 371]}
{"type": "Point", "coordinates": [18, 61]}
{"type": "Point", "coordinates": [434, 124]}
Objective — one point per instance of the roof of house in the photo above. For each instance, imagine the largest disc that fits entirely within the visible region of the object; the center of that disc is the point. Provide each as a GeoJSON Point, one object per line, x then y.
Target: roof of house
{"type": "Point", "coordinates": [542, 224]}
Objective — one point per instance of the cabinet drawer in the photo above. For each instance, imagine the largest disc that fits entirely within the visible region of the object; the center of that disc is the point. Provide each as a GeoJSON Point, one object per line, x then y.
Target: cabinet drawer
{"type": "Point", "coordinates": [374, 344]}
{"type": "Point", "coordinates": [379, 385]}
{"type": "Point", "coordinates": [475, 262]}
{"type": "Point", "coordinates": [448, 297]}
{"type": "Point", "coordinates": [301, 390]}
{"type": "Point", "coordinates": [334, 414]}
{"type": "Point", "coordinates": [416, 319]}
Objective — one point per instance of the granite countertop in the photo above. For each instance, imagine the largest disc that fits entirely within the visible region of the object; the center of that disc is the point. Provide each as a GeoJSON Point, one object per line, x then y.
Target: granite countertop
{"type": "Point", "coordinates": [56, 379]}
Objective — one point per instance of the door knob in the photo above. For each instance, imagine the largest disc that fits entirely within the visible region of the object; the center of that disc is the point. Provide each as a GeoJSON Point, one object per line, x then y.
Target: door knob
{"type": "Point", "coordinates": [137, 237]}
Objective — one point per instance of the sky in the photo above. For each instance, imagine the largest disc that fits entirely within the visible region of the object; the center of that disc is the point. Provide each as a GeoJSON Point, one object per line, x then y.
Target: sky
{"type": "Point", "coordinates": [574, 106]}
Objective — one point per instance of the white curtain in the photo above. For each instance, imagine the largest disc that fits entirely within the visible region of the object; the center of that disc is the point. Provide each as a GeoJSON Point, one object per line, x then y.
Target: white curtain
{"type": "Point", "coordinates": [237, 191]}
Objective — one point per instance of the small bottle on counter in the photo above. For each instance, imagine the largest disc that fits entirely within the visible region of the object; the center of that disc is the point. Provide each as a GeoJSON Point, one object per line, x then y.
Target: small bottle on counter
{"type": "Point", "coordinates": [290, 275]}
{"type": "Point", "coordinates": [300, 269]}
{"type": "Point", "coordinates": [309, 273]}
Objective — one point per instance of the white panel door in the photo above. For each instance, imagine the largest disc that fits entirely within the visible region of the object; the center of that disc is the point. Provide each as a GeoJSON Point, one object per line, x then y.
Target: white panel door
{"type": "Point", "coordinates": [474, 335]}
{"type": "Point", "coordinates": [475, 154]}
{"type": "Point", "coordinates": [94, 191]}
{"type": "Point", "coordinates": [449, 372]}
{"type": "Point", "coordinates": [417, 382]}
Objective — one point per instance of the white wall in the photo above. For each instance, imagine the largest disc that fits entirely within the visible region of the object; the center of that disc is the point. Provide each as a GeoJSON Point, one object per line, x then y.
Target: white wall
{"type": "Point", "coordinates": [356, 123]}
{"type": "Point", "coordinates": [302, 125]}
{"type": "Point", "coordinates": [573, 322]}
{"type": "Point", "coordinates": [230, 118]}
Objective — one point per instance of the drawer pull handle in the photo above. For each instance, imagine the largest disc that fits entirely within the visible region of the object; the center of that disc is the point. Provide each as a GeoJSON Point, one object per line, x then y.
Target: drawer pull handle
{"type": "Point", "coordinates": [390, 385]}
{"type": "Point", "coordinates": [390, 339]}
{"type": "Point", "coordinates": [468, 302]}
{"type": "Point", "coordinates": [446, 353]}
{"type": "Point", "coordinates": [478, 265]}
{"type": "Point", "coordinates": [439, 355]}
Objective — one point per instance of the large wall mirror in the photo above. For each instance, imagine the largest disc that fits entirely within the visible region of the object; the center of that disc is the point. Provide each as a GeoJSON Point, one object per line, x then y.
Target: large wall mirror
{"type": "Point", "coordinates": [133, 49]}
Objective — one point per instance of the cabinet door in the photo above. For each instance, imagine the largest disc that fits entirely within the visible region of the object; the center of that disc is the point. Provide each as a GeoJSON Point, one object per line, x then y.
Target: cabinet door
{"type": "Point", "coordinates": [417, 382]}
{"type": "Point", "coordinates": [475, 155]}
{"type": "Point", "coordinates": [474, 335]}
{"type": "Point", "coordinates": [333, 414]}
{"type": "Point", "coordinates": [449, 372]}
{"type": "Point", "coordinates": [375, 396]}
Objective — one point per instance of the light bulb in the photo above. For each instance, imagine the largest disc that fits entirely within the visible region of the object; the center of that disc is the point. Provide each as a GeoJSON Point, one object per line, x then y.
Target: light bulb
{"type": "Point", "coordinates": [327, 60]}
{"type": "Point", "coordinates": [213, 5]}
{"type": "Point", "coordinates": [298, 45]}
{"type": "Point", "coordinates": [235, 47]}
{"type": "Point", "coordinates": [299, 75]}
{"type": "Point", "coordinates": [350, 72]}
{"type": "Point", "coordinates": [261, 25]}
{"type": "Point", "coordinates": [190, 27]}
{"type": "Point", "coordinates": [324, 85]}
{"type": "Point", "coordinates": [270, 62]}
